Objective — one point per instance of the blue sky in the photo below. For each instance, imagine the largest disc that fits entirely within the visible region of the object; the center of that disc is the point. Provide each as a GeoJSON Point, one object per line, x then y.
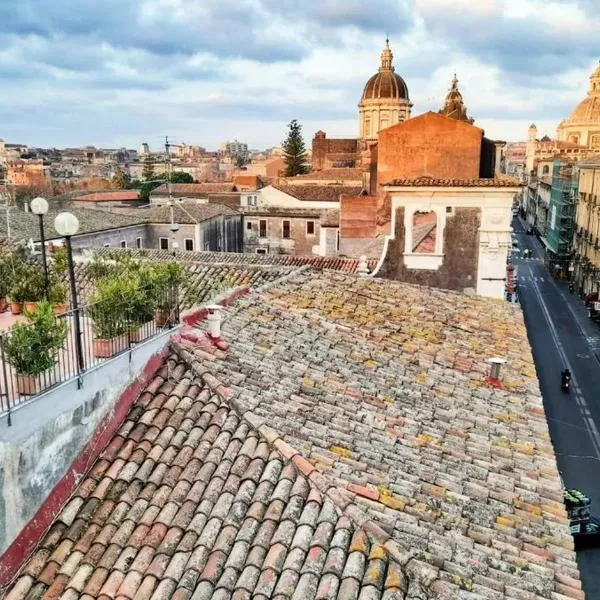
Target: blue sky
{"type": "Point", "coordinates": [120, 72]}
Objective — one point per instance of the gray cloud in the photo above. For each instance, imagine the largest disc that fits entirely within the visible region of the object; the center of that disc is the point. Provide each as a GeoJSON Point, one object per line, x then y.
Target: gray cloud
{"type": "Point", "coordinates": [85, 71]}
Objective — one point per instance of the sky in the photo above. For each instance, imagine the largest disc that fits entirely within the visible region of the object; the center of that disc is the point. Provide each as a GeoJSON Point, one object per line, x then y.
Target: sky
{"type": "Point", "coordinates": [115, 73]}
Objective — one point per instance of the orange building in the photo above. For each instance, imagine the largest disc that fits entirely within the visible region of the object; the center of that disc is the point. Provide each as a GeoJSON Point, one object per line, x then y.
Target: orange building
{"type": "Point", "coordinates": [24, 173]}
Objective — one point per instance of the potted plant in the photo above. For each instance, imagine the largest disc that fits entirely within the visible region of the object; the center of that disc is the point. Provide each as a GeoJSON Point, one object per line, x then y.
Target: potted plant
{"type": "Point", "coordinates": [57, 295]}
{"type": "Point", "coordinates": [32, 284]}
{"type": "Point", "coordinates": [32, 348]}
{"type": "Point", "coordinates": [109, 309]}
{"type": "Point", "coordinates": [163, 286]}
{"type": "Point", "coordinates": [4, 283]}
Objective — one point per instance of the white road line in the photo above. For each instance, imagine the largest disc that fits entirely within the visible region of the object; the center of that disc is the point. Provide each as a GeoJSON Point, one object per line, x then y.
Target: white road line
{"type": "Point", "coordinates": [579, 399]}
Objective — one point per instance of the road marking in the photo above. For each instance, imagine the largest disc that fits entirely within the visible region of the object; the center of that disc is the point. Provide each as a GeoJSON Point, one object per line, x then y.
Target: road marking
{"type": "Point", "coordinates": [579, 399]}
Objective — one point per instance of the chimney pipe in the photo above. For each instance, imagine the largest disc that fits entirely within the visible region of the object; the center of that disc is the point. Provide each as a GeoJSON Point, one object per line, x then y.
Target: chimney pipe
{"type": "Point", "coordinates": [496, 363]}
{"type": "Point", "coordinates": [214, 320]}
{"type": "Point", "coordinates": [363, 268]}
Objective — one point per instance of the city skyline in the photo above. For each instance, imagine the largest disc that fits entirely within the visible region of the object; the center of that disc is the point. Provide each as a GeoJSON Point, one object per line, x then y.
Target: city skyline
{"type": "Point", "coordinates": [73, 76]}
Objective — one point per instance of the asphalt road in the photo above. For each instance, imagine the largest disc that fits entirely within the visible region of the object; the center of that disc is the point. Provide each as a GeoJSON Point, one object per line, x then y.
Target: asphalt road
{"type": "Point", "coordinates": [562, 335]}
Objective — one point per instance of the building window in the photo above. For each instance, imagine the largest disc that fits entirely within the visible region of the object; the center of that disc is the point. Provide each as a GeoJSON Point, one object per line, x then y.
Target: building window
{"type": "Point", "coordinates": [123, 244]}
{"type": "Point", "coordinates": [337, 240]}
{"type": "Point", "coordinates": [261, 251]}
{"type": "Point", "coordinates": [262, 226]}
{"type": "Point", "coordinates": [138, 242]}
{"type": "Point", "coordinates": [545, 170]}
{"type": "Point", "coordinates": [189, 244]}
{"type": "Point", "coordinates": [310, 228]}
{"type": "Point", "coordinates": [163, 243]}
{"type": "Point", "coordinates": [595, 142]}
{"type": "Point", "coordinates": [286, 230]}
{"type": "Point", "coordinates": [249, 225]}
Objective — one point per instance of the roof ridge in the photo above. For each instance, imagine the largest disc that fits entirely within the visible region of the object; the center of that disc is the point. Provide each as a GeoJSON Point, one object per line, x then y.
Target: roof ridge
{"type": "Point", "coordinates": [418, 573]}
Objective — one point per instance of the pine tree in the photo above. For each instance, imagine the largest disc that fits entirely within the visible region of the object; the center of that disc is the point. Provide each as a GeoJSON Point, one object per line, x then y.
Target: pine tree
{"type": "Point", "coordinates": [148, 170]}
{"type": "Point", "coordinates": [294, 151]}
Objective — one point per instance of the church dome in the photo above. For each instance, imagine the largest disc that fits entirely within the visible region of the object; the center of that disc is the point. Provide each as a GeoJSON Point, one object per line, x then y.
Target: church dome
{"type": "Point", "coordinates": [386, 83]}
{"type": "Point", "coordinates": [588, 110]}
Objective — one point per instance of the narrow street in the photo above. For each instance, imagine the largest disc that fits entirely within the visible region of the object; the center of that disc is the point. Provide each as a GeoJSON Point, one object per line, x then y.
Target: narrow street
{"type": "Point", "coordinates": [562, 336]}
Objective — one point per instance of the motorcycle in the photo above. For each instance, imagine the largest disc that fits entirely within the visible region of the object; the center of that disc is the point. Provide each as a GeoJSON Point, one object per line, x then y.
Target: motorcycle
{"type": "Point", "coordinates": [565, 383]}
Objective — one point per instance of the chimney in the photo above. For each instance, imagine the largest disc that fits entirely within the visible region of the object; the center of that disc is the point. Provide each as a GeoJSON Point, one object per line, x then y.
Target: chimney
{"type": "Point", "coordinates": [495, 364]}
{"type": "Point", "coordinates": [363, 269]}
{"type": "Point", "coordinates": [214, 320]}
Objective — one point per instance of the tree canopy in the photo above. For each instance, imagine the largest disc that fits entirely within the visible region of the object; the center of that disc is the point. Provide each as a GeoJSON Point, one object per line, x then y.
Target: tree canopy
{"type": "Point", "coordinates": [294, 151]}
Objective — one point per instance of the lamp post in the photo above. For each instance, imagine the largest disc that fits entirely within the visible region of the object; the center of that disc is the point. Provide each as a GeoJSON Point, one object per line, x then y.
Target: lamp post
{"type": "Point", "coordinates": [174, 243]}
{"type": "Point", "coordinates": [39, 207]}
{"type": "Point", "coordinates": [67, 225]}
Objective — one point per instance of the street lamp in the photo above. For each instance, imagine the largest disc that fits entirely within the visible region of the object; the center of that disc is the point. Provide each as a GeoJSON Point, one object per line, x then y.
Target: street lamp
{"type": "Point", "coordinates": [67, 225]}
{"type": "Point", "coordinates": [39, 207]}
{"type": "Point", "coordinates": [174, 243]}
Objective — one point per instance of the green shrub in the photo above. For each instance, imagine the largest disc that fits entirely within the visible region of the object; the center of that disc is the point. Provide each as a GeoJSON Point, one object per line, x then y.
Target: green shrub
{"type": "Point", "coordinates": [32, 347]}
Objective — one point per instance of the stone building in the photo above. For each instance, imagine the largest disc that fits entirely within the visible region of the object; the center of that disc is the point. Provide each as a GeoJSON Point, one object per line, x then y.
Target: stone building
{"type": "Point", "coordinates": [384, 102]}
{"type": "Point", "coordinates": [297, 231]}
{"type": "Point", "coordinates": [26, 172]}
{"type": "Point", "coordinates": [582, 126]}
{"type": "Point", "coordinates": [436, 214]}
{"type": "Point", "coordinates": [586, 241]}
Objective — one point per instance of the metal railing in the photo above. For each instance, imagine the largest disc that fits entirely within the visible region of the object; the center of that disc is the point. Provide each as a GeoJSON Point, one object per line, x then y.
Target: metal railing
{"type": "Point", "coordinates": [76, 356]}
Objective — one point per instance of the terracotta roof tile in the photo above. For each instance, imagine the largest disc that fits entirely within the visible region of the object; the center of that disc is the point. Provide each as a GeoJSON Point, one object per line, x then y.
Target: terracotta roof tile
{"type": "Point", "coordinates": [317, 193]}
{"type": "Point", "coordinates": [434, 182]}
{"type": "Point", "coordinates": [424, 484]}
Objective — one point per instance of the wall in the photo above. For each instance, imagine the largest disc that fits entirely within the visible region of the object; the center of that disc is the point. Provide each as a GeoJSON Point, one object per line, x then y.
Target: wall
{"type": "Point", "coordinates": [358, 217]}
{"type": "Point", "coordinates": [157, 230]}
{"type": "Point", "coordinates": [48, 434]}
{"type": "Point", "coordinates": [112, 237]}
{"type": "Point", "coordinates": [323, 146]}
{"type": "Point", "coordinates": [271, 196]}
{"type": "Point", "coordinates": [299, 243]}
{"type": "Point", "coordinates": [429, 145]}
{"type": "Point", "coordinates": [472, 241]}
{"type": "Point", "coordinates": [459, 268]}
{"type": "Point", "coordinates": [221, 234]}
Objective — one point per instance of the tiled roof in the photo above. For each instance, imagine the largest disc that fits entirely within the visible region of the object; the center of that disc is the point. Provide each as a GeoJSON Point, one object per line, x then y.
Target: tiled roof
{"type": "Point", "coordinates": [189, 500]}
{"type": "Point", "coordinates": [349, 174]}
{"type": "Point", "coordinates": [186, 212]}
{"type": "Point", "coordinates": [329, 193]}
{"type": "Point", "coordinates": [432, 181]}
{"type": "Point", "coordinates": [336, 263]}
{"type": "Point", "coordinates": [109, 196]}
{"type": "Point", "coordinates": [193, 189]}
{"type": "Point", "coordinates": [203, 282]}
{"type": "Point", "coordinates": [380, 385]}
{"type": "Point", "coordinates": [25, 225]}
{"type": "Point", "coordinates": [340, 444]}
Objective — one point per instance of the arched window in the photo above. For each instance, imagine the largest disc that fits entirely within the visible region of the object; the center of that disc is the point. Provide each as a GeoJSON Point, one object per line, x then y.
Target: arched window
{"type": "Point", "coordinates": [545, 170]}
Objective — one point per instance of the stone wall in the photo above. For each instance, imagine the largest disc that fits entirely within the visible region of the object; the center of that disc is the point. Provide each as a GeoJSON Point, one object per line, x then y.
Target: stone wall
{"type": "Point", "coordinates": [299, 242]}
{"type": "Point", "coordinates": [461, 254]}
{"type": "Point", "coordinates": [112, 238]}
{"type": "Point", "coordinates": [324, 148]}
{"type": "Point", "coordinates": [429, 146]}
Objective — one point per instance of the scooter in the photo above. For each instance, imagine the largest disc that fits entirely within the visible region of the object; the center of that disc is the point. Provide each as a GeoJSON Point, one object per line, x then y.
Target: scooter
{"type": "Point", "coordinates": [565, 384]}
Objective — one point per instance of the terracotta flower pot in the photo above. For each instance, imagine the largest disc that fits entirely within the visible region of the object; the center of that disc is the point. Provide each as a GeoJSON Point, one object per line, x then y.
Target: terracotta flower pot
{"type": "Point", "coordinates": [3, 305]}
{"type": "Point", "coordinates": [162, 318]}
{"type": "Point", "coordinates": [106, 348]}
{"type": "Point", "coordinates": [30, 385]}
{"type": "Point", "coordinates": [59, 309]}
{"type": "Point", "coordinates": [137, 334]}
{"type": "Point", "coordinates": [16, 308]}
{"type": "Point", "coordinates": [30, 306]}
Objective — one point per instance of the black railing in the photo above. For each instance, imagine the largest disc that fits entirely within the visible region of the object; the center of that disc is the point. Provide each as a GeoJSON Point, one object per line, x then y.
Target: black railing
{"type": "Point", "coordinates": [103, 335]}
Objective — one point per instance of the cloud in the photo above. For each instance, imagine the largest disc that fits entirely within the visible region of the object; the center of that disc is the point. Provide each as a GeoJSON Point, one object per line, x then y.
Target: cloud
{"type": "Point", "coordinates": [121, 71]}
